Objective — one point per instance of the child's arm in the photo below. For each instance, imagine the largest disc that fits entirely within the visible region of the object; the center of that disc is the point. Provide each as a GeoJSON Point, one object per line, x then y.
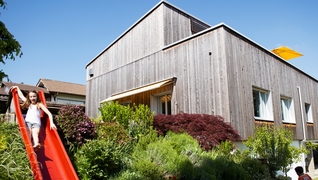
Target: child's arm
{"type": "Point", "coordinates": [19, 93]}
{"type": "Point", "coordinates": [52, 125]}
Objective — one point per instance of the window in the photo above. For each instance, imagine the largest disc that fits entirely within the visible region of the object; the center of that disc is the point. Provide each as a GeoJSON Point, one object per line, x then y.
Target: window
{"type": "Point", "coordinates": [287, 107]}
{"type": "Point", "coordinates": [308, 113]}
{"type": "Point", "coordinates": [126, 103]}
{"type": "Point", "coordinates": [262, 104]}
{"type": "Point", "coordinates": [161, 104]}
{"type": "Point", "coordinates": [197, 26]}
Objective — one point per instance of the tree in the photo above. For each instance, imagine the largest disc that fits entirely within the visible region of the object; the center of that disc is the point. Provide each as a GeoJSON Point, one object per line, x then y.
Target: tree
{"type": "Point", "coordinates": [209, 130]}
{"type": "Point", "coordinates": [9, 46]}
{"type": "Point", "coordinates": [273, 144]}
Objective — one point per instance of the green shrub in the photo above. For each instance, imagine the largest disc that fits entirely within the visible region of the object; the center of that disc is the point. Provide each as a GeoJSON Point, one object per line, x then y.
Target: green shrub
{"type": "Point", "coordinates": [165, 156]}
{"type": "Point", "coordinates": [112, 130]}
{"type": "Point", "coordinates": [128, 175]}
{"type": "Point", "coordinates": [114, 112]}
{"type": "Point", "coordinates": [141, 121]}
{"type": "Point", "coordinates": [137, 121]}
{"type": "Point", "coordinates": [255, 168]}
{"type": "Point", "coordinates": [144, 141]}
{"type": "Point", "coordinates": [101, 159]}
{"type": "Point", "coordinates": [14, 162]}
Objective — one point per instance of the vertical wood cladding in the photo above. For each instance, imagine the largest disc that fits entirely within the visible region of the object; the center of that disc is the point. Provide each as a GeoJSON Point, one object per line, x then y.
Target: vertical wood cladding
{"type": "Point", "coordinates": [215, 70]}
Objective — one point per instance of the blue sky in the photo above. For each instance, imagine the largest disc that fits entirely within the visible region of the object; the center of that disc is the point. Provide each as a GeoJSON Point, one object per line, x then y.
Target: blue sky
{"type": "Point", "coordinates": [60, 37]}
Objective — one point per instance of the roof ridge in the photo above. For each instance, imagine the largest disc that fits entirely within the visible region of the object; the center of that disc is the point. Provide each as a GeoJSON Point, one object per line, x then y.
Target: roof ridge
{"type": "Point", "coordinates": [61, 81]}
{"type": "Point", "coordinates": [19, 83]}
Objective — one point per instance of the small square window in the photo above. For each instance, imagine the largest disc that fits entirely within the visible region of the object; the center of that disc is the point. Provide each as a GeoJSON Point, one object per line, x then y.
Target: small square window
{"type": "Point", "coordinates": [287, 108]}
{"type": "Point", "coordinates": [308, 113]}
{"type": "Point", "coordinates": [262, 104]}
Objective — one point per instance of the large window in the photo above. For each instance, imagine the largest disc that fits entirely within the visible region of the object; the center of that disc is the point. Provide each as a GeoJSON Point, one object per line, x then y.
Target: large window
{"type": "Point", "coordinates": [262, 104]}
{"type": "Point", "coordinates": [161, 104]}
{"type": "Point", "coordinates": [308, 113]}
{"type": "Point", "coordinates": [287, 108]}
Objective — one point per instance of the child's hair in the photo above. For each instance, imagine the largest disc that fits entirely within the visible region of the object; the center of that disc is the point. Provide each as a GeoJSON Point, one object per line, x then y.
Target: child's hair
{"type": "Point", "coordinates": [27, 102]}
{"type": "Point", "coordinates": [299, 170]}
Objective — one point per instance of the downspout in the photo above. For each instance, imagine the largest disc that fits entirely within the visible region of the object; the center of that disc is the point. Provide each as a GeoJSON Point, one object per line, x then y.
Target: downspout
{"type": "Point", "coordinates": [304, 132]}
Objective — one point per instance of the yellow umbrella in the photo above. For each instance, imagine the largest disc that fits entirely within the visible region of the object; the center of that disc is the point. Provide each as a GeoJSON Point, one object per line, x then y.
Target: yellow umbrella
{"type": "Point", "coordinates": [286, 53]}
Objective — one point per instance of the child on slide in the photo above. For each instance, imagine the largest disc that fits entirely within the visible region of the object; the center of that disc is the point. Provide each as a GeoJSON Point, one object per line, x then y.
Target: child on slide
{"type": "Point", "coordinates": [33, 121]}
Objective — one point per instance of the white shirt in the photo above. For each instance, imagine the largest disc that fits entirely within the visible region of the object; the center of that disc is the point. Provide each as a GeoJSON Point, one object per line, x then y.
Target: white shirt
{"type": "Point", "coordinates": [33, 114]}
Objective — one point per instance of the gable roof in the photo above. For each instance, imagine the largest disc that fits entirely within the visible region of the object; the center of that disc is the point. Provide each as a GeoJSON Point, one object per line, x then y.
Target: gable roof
{"type": "Point", "coordinates": [23, 87]}
{"type": "Point", "coordinates": [138, 21]}
{"type": "Point", "coordinates": [62, 87]}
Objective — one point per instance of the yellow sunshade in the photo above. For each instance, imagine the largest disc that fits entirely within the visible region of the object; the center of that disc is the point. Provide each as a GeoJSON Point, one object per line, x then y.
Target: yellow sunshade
{"type": "Point", "coordinates": [138, 90]}
{"type": "Point", "coordinates": [286, 53]}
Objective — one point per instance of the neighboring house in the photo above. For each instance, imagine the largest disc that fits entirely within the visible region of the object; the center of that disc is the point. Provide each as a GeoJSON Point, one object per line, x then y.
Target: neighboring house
{"type": "Point", "coordinates": [57, 93]}
{"type": "Point", "coordinates": [5, 88]}
{"type": "Point", "coordinates": [174, 62]}
{"type": "Point", "coordinates": [64, 92]}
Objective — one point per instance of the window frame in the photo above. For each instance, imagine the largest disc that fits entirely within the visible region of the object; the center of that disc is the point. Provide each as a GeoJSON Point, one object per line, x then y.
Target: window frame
{"type": "Point", "coordinates": [156, 103]}
{"type": "Point", "coordinates": [265, 104]}
{"type": "Point", "coordinates": [287, 109]}
{"type": "Point", "coordinates": [308, 113]}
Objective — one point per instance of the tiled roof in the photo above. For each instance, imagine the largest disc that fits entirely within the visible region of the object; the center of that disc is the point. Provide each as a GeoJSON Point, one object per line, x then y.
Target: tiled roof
{"type": "Point", "coordinates": [62, 87]}
{"type": "Point", "coordinates": [23, 87]}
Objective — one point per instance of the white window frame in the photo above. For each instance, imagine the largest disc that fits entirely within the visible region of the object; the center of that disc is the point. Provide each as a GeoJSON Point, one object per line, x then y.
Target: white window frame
{"type": "Point", "coordinates": [264, 100]}
{"type": "Point", "coordinates": [287, 109]}
{"type": "Point", "coordinates": [156, 103]}
{"type": "Point", "coordinates": [308, 113]}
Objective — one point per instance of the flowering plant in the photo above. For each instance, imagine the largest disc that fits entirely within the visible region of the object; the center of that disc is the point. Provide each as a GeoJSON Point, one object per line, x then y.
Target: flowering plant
{"type": "Point", "coordinates": [75, 125]}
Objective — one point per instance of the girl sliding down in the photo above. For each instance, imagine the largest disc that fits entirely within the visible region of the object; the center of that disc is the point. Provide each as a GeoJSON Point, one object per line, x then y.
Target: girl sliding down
{"type": "Point", "coordinates": [32, 119]}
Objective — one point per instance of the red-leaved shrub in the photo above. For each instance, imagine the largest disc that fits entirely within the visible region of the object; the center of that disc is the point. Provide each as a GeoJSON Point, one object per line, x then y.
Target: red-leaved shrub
{"type": "Point", "coordinates": [209, 130]}
{"type": "Point", "coordinates": [75, 126]}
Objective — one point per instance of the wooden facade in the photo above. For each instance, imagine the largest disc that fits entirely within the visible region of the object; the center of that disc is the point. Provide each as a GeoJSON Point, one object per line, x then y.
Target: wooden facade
{"type": "Point", "coordinates": [216, 70]}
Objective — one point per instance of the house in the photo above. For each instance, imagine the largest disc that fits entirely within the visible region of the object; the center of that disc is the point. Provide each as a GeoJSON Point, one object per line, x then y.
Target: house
{"type": "Point", "coordinates": [5, 88]}
{"type": "Point", "coordinates": [174, 62]}
{"type": "Point", "coordinates": [64, 92]}
{"type": "Point", "coordinates": [57, 93]}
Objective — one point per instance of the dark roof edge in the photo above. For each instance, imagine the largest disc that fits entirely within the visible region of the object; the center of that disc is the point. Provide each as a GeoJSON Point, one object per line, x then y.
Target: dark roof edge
{"type": "Point", "coordinates": [138, 21]}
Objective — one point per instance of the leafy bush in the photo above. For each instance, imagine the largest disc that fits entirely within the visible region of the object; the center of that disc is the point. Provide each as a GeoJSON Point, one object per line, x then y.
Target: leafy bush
{"type": "Point", "coordinates": [14, 163]}
{"type": "Point", "coordinates": [112, 130]}
{"type": "Point", "coordinates": [101, 159]}
{"type": "Point", "coordinates": [164, 156]}
{"type": "Point", "coordinates": [128, 175]}
{"type": "Point", "coordinates": [222, 167]}
{"type": "Point", "coordinates": [255, 168]}
{"type": "Point", "coordinates": [274, 145]}
{"type": "Point", "coordinates": [114, 112]}
{"type": "Point", "coordinates": [141, 121]}
{"type": "Point", "coordinates": [209, 130]}
{"type": "Point", "coordinates": [179, 155]}
{"type": "Point", "coordinates": [137, 121]}
{"type": "Point", "coordinates": [75, 126]}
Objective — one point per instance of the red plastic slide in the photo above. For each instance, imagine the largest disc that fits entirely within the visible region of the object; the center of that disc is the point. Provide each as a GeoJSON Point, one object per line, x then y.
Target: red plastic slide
{"type": "Point", "coordinates": [51, 161]}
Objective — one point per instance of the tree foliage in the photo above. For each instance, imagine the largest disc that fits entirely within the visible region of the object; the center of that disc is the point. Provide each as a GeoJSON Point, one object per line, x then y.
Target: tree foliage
{"type": "Point", "coordinates": [209, 130]}
{"type": "Point", "coordinates": [274, 145]}
{"type": "Point", "coordinates": [9, 46]}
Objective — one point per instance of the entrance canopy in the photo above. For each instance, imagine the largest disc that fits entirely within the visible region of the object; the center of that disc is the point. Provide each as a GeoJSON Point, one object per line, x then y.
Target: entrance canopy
{"type": "Point", "coordinates": [286, 53]}
{"type": "Point", "coordinates": [139, 90]}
